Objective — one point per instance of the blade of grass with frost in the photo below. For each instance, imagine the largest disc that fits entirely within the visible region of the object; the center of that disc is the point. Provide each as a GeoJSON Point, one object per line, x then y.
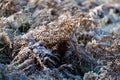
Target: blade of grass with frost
{"type": "Point", "coordinates": [2, 48]}
{"type": "Point", "coordinates": [1, 42]}
{"type": "Point", "coordinates": [108, 28]}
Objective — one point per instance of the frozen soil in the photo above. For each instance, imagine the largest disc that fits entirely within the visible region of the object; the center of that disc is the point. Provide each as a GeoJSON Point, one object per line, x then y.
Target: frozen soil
{"type": "Point", "coordinates": [59, 40]}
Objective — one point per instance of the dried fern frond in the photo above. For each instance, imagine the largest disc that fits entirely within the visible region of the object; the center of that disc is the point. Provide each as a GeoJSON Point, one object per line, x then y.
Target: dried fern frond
{"type": "Point", "coordinates": [8, 7]}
